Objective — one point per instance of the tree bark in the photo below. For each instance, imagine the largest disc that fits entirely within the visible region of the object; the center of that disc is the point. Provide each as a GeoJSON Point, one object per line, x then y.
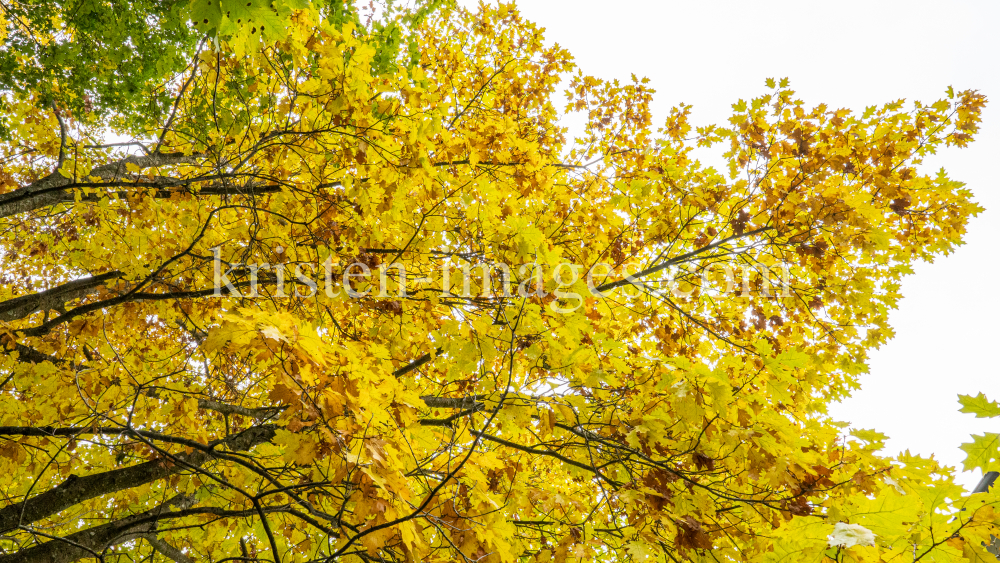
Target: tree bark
{"type": "Point", "coordinates": [75, 490]}
{"type": "Point", "coordinates": [48, 190]}
{"type": "Point", "coordinates": [93, 541]}
{"type": "Point", "coordinates": [55, 298]}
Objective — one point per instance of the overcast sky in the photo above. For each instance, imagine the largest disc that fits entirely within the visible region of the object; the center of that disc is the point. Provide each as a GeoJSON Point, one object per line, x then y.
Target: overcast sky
{"type": "Point", "coordinates": [845, 54]}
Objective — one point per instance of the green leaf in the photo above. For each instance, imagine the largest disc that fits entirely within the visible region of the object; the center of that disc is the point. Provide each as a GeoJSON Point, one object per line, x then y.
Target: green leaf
{"type": "Point", "coordinates": [785, 364]}
{"type": "Point", "coordinates": [885, 515]}
{"type": "Point", "coordinates": [206, 14]}
{"type": "Point", "coordinates": [641, 551]}
{"type": "Point", "coordinates": [875, 439]}
{"type": "Point", "coordinates": [982, 452]}
{"type": "Point", "coordinates": [979, 406]}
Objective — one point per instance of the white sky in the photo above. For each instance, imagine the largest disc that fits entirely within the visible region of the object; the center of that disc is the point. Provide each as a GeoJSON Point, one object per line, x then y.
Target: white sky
{"type": "Point", "coordinates": [846, 54]}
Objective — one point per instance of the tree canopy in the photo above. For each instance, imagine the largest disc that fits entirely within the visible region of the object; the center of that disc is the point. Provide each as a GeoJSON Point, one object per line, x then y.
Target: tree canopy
{"type": "Point", "coordinates": [114, 58]}
{"type": "Point", "coordinates": [587, 348]}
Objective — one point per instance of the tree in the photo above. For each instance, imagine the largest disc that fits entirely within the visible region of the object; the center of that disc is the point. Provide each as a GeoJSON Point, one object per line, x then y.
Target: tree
{"type": "Point", "coordinates": [586, 349]}
{"type": "Point", "coordinates": [111, 61]}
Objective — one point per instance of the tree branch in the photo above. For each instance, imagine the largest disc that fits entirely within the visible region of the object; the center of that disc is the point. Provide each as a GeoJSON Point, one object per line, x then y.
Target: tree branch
{"type": "Point", "coordinates": [226, 408]}
{"type": "Point", "coordinates": [474, 402]}
{"type": "Point", "coordinates": [62, 136]}
{"type": "Point", "coordinates": [167, 550]}
{"type": "Point", "coordinates": [93, 541]}
{"type": "Point", "coordinates": [416, 363]}
{"type": "Point", "coordinates": [49, 190]}
{"type": "Point", "coordinates": [75, 490]}
{"type": "Point", "coordinates": [29, 355]}
{"type": "Point", "coordinates": [55, 298]}
{"type": "Point", "coordinates": [629, 279]}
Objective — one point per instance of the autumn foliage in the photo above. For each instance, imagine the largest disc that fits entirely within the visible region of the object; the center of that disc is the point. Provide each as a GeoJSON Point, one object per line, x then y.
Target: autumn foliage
{"type": "Point", "coordinates": [658, 419]}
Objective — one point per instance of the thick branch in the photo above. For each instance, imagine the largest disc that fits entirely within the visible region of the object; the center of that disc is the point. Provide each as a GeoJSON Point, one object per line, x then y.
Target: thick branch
{"type": "Point", "coordinates": [93, 541]}
{"type": "Point", "coordinates": [75, 490]}
{"type": "Point", "coordinates": [45, 327]}
{"type": "Point", "coordinates": [62, 136]}
{"type": "Point", "coordinates": [79, 489]}
{"type": "Point", "coordinates": [49, 190]}
{"type": "Point", "coordinates": [29, 355]}
{"type": "Point", "coordinates": [214, 189]}
{"type": "Point", "coordinates": [454, 402]}
{"type": "Point", "coordinates": [167, 550]}
{"type": "Point", "coordinates": [55, 298]}
{"type": "Point", "coordinates": [226, 408]}
{"type": "Point", "coordinates": [416, 363]}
